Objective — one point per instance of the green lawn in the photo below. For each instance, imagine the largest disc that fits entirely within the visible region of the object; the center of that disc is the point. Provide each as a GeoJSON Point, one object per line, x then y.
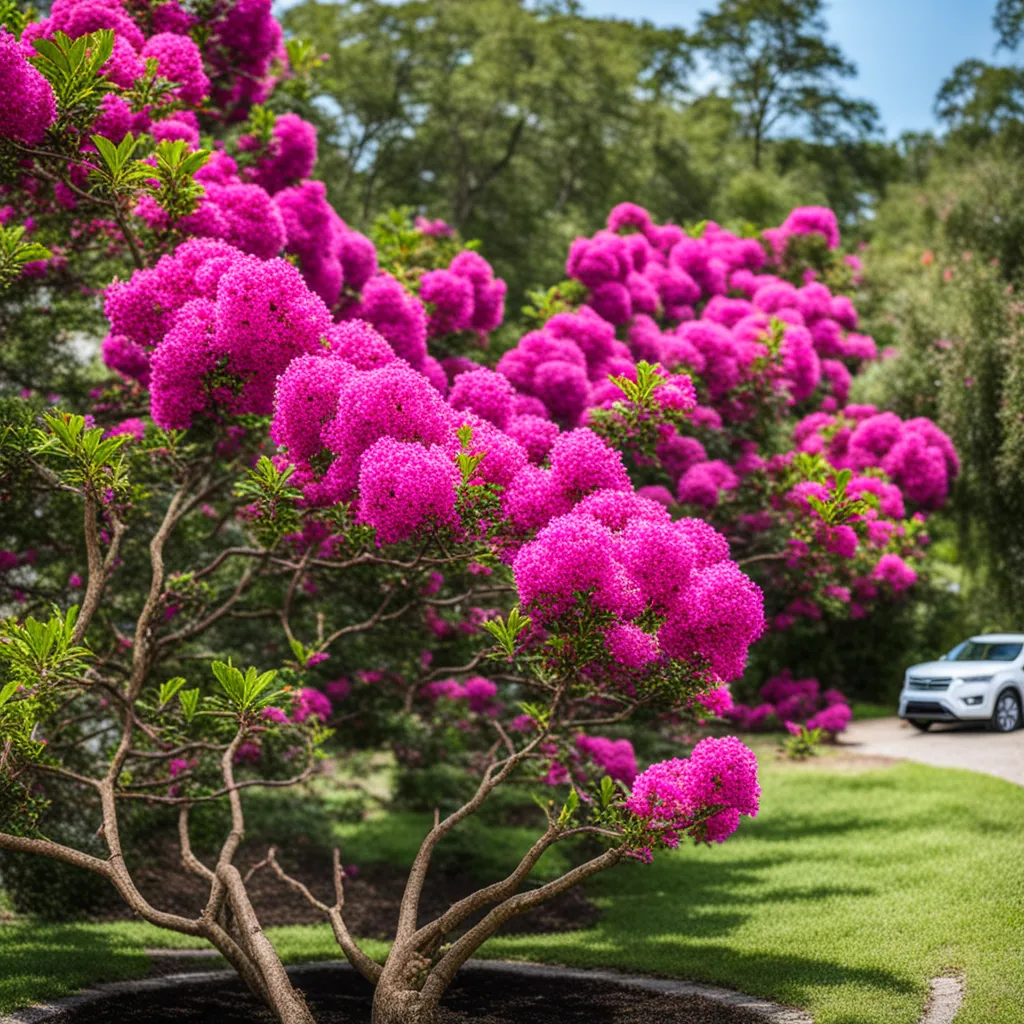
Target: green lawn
{"type": "Point", "coordinates": [850, 890]}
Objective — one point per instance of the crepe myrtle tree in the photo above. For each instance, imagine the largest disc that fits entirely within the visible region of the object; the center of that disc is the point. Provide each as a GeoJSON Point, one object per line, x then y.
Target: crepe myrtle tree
{"type": "Point", "coordinates": [618, 607]}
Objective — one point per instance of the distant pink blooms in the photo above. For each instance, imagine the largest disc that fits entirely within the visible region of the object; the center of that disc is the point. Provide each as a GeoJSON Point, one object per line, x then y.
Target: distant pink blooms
{"type": "Point", "coordinates": [718, 702]}
{"type": "Point", "coordinates": [435, 228]}
{"type": "Point", "coordinates": [339, 689]}
{"type": "Point", "coordinates": [703, 484]}
{"type": "Point", "coordinates": [479, 693]}
{"type": "Point", "coordinates": [789, 702]}
{"type": "Point", "coordinates": [615, 757]}
{"type": "Point", "coordinates": [310, 703]}
{"type": "Point", "coordinates": [486, 393]}
{"type": "Point", "coordinates": [179, 61]}
{"type": "Point", "coordinates": [832, 719]}
{"type": "Point", "coordinates": [397, 315]}
{"type": "Point", "coordinates": [290, 156]}
{"type": "Point", "coordinates": [817, 220]}
{"type": "Point", "coordinates": [134, 428]}
{"type": "Point", "coordinates": [894, 571]}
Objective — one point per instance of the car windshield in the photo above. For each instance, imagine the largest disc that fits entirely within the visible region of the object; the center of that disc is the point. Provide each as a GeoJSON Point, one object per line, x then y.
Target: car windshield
{"type": "Point", "coordinates": [978, 650]}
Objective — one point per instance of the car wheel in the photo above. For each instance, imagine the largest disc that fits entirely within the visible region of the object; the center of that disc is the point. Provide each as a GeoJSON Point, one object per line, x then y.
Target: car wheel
{"type": "Point", "coordinates": [1006, 716]}
{"type": "Point", "coordinates": [920, 724]}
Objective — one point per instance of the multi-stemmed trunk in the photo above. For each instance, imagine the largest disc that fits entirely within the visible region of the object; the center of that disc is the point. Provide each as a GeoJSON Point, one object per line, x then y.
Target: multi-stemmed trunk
{"type": "Point", "coordinates": [414, 979]}
{"type": "Point", "coordinates": [398, 997]}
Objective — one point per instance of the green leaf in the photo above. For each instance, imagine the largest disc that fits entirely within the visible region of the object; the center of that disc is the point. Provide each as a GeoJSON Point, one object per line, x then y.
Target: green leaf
{"type": "Point", "coordinates": [231, 681]}
{"type": "Point", "coordinates": [52, 52]}
{"type": "Point", "coordinates": [506, 633]}
{"type": "Point", "coordinates": [189, 703]}
{"type": "Point", "coordinates": [170, 688]}
{"type": "Point", "coordinates": [108, 151]}
{"type": "Point", "coordinates": [15, 253]}
{"type": "Point", "coordinates": [468, 464]}
{"type": "Point", "coordinates": [8, 691]}
{"type": "Point", "coordinates": [255, 684]}
{"type": "Point", "coordinates": [608, 790]}
{"type": "Point", "coordinates": [570, 807]}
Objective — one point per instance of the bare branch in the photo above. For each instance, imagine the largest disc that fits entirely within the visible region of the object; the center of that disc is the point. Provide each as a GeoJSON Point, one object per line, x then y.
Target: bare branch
{"type": "Point", "coordinates": [362, 963]}
{"type": "Point", "coordinates": [188, 859]}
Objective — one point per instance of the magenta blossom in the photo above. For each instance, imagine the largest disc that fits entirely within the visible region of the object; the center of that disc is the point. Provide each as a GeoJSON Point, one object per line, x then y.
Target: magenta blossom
{"type": "Point", "coordinates": [311, 703]}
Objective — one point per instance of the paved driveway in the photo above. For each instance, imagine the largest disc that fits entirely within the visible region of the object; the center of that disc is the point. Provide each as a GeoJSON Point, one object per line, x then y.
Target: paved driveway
{"type": "Point", "coordinates": [944, 746]}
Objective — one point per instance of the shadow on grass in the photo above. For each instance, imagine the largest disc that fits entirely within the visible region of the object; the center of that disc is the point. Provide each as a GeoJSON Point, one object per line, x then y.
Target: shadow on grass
{"type": "Point", "coordinates": [43, 961]}
{"type": "Point", "coordinates": [679, 917]}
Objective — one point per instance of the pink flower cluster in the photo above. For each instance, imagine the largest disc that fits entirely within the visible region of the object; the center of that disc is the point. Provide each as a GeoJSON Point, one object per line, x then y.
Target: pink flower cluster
{"type": "Point", "coordinates": [26, 120]}
{"type": "Point", "coordinates": [465, 297]}
{"type": "Point", "coordinates": [215, 327]}
{"type": "Point", "coordinates": [806, 220]}
{"type": "Point", "coordinates": [615, 758]}
{"type": "Point", "coordinates": [915, 454]}
{"type": "Point", "coordinates": [626, 555]}
{"type": "Point", "coordinates": [789, 700]}
{"type": "Point", "coordinates": [700, 305]}
{"type": "Point", "coordinates": [479, 693]}
{"type": "Point", "coordinates": [660, 274]}
{"type": "Point", "coordinates": [310, 703]}
{"type": "Point", "coordinates": [702, 796]}
{"type": "Point", "coordinates": [227, 75]}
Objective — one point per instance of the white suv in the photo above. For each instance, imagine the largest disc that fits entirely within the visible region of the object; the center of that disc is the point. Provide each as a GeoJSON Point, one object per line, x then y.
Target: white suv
{"type": "Point", "coordinates": [980, 680]}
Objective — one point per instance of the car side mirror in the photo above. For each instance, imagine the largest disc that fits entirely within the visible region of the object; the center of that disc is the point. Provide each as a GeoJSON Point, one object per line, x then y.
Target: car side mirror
{"type": "Point", "coordinates": [944, 657]}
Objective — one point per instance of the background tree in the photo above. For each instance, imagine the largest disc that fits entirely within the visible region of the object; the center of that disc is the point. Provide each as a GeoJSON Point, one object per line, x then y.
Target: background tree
{"type": "Point", "coordinates": [980, 101]}
{"type": "Point", "coordinates": [505, 120]}
{"type": "Point", "coordinates": [779, 67]}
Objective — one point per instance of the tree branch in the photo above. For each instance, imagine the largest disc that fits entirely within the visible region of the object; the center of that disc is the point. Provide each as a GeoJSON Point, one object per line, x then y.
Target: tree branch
{"type": "Point", "coordinates": [443, 974]}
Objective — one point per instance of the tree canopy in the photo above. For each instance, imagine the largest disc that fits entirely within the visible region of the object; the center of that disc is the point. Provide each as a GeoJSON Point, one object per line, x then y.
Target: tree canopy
{"type": "Point", "coordinates": [779, 68]}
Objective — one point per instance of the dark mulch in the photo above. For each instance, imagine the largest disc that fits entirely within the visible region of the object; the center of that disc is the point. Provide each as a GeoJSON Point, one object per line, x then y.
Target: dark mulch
{"type": "Point", "coordinates": [372, 898]}
{"type": "Point", "coordinates": [484, 997]}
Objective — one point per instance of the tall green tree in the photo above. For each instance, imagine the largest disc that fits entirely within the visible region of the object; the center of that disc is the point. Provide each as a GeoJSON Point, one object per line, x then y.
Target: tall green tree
{"type": "Point", "coordinates": [781, 71]}
{"type": "Point", "coordinates": [980, 102]}
{"type": "Point", "coordinates": [1008, 21]}
{"type": "Point", "coordinates": [519, 124]}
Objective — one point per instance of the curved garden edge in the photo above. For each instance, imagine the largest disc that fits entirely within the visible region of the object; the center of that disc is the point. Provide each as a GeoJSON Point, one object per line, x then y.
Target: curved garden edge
{"type": "Point", "coordinates": [946, 993]}
{"type": "Point", "coordinates": [771, 1013]}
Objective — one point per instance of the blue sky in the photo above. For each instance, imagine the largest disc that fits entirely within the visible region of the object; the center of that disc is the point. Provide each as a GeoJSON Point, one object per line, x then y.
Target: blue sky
{"type": "Point", "coordinates": [903, 49]}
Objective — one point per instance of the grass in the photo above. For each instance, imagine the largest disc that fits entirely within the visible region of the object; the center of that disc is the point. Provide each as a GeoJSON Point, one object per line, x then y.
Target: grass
{"type": "Point", "coordinates": [850, 890]}
{"type": "Point", "coordinates": [862, 710]}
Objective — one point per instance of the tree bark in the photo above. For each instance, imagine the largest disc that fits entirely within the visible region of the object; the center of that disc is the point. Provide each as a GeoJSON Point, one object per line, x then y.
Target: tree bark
{"type": "Point", "coordinates": [397, 999]}
{"type": "Point", "coordinates": [284, 999]}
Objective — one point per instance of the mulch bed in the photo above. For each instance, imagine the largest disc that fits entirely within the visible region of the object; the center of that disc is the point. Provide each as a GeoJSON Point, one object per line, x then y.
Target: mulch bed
{"type": "Point", "coordinates": [491, 997]}
{"type": "Point", "coordinates": [372, 898]}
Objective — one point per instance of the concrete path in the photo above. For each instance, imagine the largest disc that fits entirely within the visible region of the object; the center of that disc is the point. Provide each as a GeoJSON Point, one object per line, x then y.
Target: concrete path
{"type": "Point", "coordinates": [943, 746]}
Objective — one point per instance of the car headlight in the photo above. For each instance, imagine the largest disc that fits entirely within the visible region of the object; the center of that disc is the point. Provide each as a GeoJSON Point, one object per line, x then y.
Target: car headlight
{"type": "Point", "coordinates": [976, 679]}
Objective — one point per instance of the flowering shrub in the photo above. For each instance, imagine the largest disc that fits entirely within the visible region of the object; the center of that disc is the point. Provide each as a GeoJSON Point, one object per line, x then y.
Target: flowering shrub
{"type": "Point", "coordinates": [790, 702]}
{"type": "Point", "coordinates": [301, 455]}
